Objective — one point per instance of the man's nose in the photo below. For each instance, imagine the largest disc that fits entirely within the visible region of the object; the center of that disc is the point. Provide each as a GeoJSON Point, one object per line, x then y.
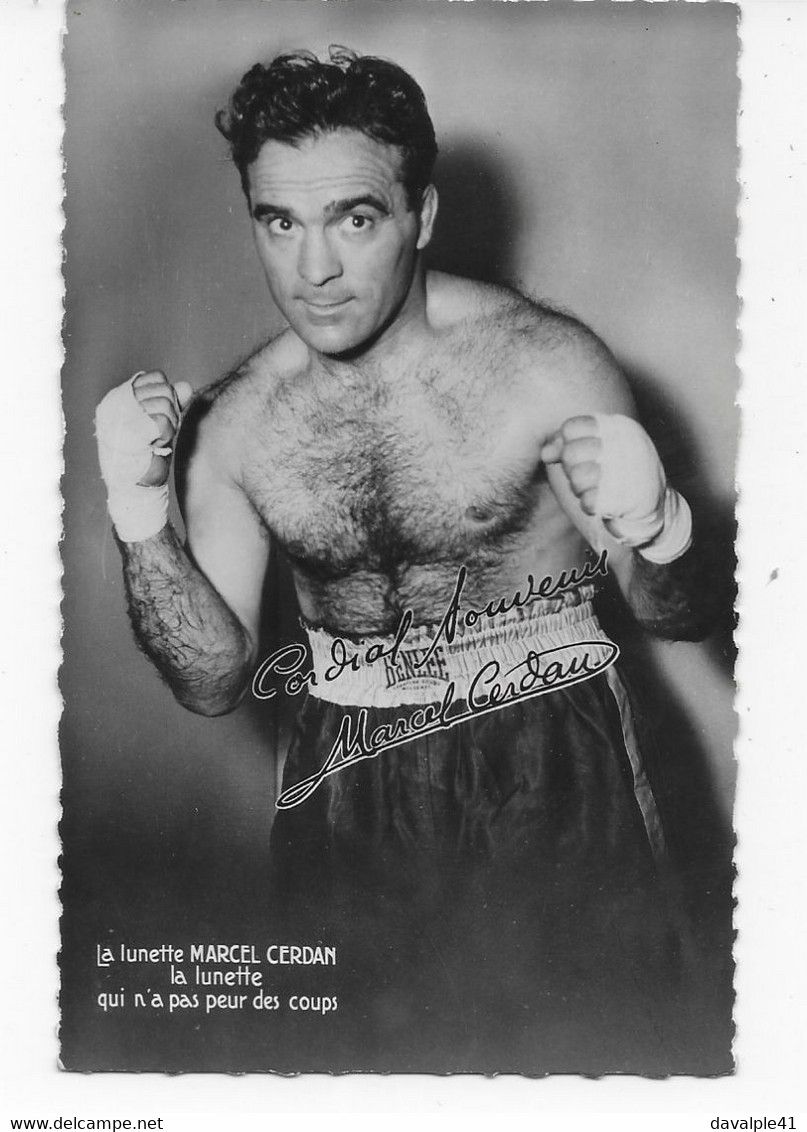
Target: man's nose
{"type": "Point", "coordinates": [319, 261]}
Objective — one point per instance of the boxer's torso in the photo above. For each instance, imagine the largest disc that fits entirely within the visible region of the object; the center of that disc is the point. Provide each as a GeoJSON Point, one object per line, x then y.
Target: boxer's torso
{"type": "Point", "coordinates": [380, 480]}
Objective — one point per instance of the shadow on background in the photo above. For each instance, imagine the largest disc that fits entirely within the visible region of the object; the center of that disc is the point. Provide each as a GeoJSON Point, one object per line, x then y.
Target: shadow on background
{"type": "Point", "coordinates": [716, 525]}
{"type": "Point", "coordinates": [479, 218]}
{"type": "Point", "coordinates": [699, 833]}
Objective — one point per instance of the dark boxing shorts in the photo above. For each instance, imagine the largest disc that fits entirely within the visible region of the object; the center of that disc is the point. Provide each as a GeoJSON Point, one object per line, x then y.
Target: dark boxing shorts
{"type": "Point", "coordinates": [499, 888]}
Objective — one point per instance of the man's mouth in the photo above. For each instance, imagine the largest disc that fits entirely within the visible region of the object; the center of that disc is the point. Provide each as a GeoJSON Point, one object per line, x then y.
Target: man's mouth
{"type": "Point", "coordinates": [330, 305]}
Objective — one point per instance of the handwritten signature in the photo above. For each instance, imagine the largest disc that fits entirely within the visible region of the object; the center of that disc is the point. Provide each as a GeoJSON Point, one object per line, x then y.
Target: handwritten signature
{"type": "Point", "coordinates": [489, 690]}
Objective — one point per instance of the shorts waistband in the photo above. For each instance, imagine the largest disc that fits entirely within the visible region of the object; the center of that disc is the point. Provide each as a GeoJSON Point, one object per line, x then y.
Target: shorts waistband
{"type": "Point", "coordinates": [373, 672]}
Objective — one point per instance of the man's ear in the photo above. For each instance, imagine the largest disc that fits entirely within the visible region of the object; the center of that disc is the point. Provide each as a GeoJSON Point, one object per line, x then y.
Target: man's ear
{"type": "Point", "coordinates": [428, 214]}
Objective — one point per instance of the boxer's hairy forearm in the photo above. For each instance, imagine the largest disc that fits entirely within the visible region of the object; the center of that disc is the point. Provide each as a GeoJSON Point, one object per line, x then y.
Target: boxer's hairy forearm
{"type": "Point", "coordinates": [676, 601]}
{"type": "Point", "coordinates": [184, 626]}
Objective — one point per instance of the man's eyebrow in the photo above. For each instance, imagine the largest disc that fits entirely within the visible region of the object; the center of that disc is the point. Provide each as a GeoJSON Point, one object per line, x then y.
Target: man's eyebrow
{"type": "Point", "coordinates": [265, 209]}
{"type": "Point", "coordinates": [337, 207]}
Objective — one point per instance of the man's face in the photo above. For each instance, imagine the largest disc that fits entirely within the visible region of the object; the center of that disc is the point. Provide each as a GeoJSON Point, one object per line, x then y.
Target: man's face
{"type": "Point", "coordinates": [336, 240]}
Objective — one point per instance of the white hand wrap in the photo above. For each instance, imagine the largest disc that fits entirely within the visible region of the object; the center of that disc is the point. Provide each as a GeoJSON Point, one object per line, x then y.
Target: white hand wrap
{"type": "Point", "coordinates": [126, 434]}
{"type": "Point", "coordinates": [634, 501]}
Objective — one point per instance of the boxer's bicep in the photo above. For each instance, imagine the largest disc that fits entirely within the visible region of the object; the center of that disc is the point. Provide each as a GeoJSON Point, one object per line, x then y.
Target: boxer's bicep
{"type": "Point", "coordinates": [584, 379]}
{"type": "Point", "coordinates": [591, 381]}
{"type": "Point", "coordinates": [225, 539]}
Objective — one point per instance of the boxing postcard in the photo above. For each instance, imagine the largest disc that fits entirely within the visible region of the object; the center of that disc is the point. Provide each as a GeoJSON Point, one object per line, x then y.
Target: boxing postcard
{"type": "Point", "coordinates": [399, 389]}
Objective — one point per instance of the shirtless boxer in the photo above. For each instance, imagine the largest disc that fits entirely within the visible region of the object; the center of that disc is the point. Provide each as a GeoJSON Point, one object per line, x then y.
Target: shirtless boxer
{"type": "Point", "coordinates": [406, 424]}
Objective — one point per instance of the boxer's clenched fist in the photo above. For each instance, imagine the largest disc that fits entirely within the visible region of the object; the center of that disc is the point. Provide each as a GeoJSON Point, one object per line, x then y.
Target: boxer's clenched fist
{"type": "Point", "coordinates": [135, 426]}
{"type": "Point", "coordinates": [163, 402]}
{"type": "Point", "coordinates": [613, 469]}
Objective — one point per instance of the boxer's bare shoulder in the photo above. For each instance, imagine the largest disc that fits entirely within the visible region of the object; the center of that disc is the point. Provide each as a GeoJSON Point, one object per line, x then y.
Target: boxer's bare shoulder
{"type": "Point", "coordinates": [539, 356]}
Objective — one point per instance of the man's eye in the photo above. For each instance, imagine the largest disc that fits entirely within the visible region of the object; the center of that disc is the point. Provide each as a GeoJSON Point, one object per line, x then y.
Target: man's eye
{"type": "Point", "coordinates": [356, 222]}
{"type": "Point", "coordinates": [280, 225]}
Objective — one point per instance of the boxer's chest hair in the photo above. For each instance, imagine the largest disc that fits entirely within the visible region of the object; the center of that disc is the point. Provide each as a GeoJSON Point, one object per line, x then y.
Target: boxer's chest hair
{"type": "Point", "coordinates": [420, 467]}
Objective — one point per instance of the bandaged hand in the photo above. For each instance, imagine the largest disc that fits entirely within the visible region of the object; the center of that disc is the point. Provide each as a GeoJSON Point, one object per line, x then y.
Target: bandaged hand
{"type": "Point", "coordinates": [614, 471]}
{"type": "Point", "coordinates": [135, 427]}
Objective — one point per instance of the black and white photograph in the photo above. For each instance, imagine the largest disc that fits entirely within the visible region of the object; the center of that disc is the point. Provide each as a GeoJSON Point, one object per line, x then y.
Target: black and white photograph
{"type": "Point", "coordinates": [400, 380]}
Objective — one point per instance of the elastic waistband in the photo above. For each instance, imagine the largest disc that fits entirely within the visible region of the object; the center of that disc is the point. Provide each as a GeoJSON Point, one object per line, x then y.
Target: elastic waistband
{"type": "Point", "coordinates": [373, 672]}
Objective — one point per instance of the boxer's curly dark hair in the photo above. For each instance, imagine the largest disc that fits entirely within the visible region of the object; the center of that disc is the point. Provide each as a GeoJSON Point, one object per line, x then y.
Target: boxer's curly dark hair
{"type": "Point", "coordinates": [296, 96]}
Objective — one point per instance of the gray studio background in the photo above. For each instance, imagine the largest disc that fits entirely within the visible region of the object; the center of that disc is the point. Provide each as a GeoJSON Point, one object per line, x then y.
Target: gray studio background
{"type": "Point", "coordinates": [587, 155]}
